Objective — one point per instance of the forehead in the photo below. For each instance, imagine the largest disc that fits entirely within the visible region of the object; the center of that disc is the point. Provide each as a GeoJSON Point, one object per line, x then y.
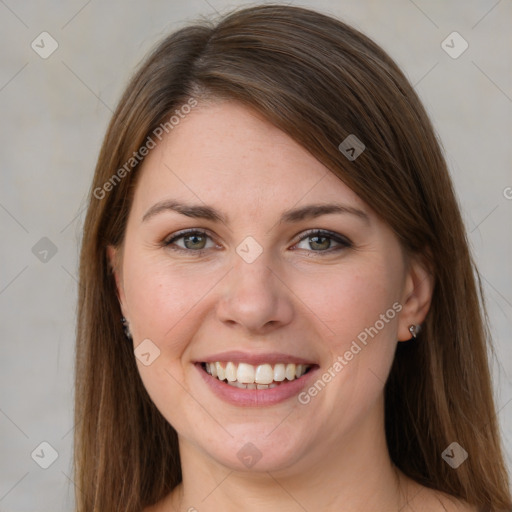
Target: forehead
{"type": "Point", "coordinates": [228, 155]}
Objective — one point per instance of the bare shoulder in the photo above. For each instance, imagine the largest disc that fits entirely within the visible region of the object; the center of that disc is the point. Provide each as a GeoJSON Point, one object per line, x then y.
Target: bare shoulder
{"type": "Point", "coordinates": [452, 504]}
{"type": "Point", "coordinates": [424, 499]}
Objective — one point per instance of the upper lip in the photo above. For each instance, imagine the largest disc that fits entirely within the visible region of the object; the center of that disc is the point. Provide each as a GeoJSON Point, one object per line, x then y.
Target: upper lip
{"type": "Point", "coordinates": [237, 356]}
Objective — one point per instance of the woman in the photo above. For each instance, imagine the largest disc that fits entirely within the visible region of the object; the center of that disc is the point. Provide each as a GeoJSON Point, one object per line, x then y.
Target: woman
{"type": "Point", "coordinates": [277, 307]}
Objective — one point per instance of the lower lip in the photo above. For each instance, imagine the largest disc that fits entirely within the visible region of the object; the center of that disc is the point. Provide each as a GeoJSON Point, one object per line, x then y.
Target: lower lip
{"type": "Point", "coordinates": [256, 397]}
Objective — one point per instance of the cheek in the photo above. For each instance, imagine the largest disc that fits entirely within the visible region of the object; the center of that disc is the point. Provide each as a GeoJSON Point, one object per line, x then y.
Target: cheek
{"type": "Point", "coordinates": [361, 310]}
{"type": "Point", "coordinates": [161, 302]}
{"type": "Point", "coordinates": [357, 309]}
{"type": "Point", "coordinates": [353, 303]}
{"type": "Point", "coordinates": [161, 298]}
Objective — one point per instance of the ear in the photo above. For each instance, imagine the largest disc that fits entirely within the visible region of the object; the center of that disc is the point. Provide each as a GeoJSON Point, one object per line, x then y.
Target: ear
{"type": "Point", "coordinates": [416, 298]}
{"type": "Point", "coordinates": [115, 263]}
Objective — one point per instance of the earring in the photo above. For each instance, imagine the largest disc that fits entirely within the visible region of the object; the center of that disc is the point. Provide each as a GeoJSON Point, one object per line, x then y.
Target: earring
{"type": "Point", "coordinates": [415, 330]}
{"type": "Point", "coordinates": [126, 328]}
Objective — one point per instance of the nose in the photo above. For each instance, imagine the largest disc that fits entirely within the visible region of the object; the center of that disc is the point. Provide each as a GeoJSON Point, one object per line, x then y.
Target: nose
{"type": "Point", "coordinates": [254, 297]}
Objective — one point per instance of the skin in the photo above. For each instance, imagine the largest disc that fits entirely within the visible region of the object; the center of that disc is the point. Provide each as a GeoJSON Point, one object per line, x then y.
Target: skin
{"type": "Point", "coordinates": [297, 297]}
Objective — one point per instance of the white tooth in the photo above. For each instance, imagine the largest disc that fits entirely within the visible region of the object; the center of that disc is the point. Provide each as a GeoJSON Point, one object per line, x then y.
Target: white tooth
{"type": "Point", "coordinates": [299, 370]}
{"type": "Point", "coordinates": [213, 369]}
{"type": "Point", "coordinates": [245, 373]}
{"type": "Point", "coordinates": [264, 374]}
{"type": "Point", "coordinates": [290, 371]}
{"type": "Point", "coordinates": [207, 368]}
{"type": "Point", "coordinates": [231, 372]}
{"type": "Point", "coordinates": [261, 386]}
{"type": "Point", "coordinates": [279, 372]}
{"type": "Point", "coordinates": [221, 373]}
{"type": "Point", "coordinates": [273, 385]}
{"type": "Point", "coordinates": [251, 386]}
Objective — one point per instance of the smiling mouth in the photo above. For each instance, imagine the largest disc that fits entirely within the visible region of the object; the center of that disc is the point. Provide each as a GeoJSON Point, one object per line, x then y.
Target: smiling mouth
{"type": "Point", "coordinates": [248, 376]}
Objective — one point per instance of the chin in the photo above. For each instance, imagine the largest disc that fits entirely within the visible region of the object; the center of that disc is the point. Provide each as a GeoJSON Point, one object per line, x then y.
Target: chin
{"type": "Point", "coordinates": [255, 450]}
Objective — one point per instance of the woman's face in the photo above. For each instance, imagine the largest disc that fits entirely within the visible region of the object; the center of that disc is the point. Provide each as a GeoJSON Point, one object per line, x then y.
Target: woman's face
{"type": "Point", "coordinates": [262, 291]}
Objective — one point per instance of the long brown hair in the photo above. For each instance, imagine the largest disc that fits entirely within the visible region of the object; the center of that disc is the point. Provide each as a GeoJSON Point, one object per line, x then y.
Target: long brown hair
{"type": "Point", "coordinates": [319, 81]}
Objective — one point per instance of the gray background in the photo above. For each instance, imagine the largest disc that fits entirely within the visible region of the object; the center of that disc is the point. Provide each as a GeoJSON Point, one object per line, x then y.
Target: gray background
{"type": "Point", "coordinates": [54, 113]}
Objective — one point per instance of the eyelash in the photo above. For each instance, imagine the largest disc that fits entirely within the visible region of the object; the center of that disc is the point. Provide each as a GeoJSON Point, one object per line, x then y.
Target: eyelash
{"type": "Point", "coordinates": [344, 242]}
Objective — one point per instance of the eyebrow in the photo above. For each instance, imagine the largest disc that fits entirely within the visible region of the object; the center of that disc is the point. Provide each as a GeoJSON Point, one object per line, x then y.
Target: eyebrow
{"type": "Point", "coordinates": [288, 216]}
